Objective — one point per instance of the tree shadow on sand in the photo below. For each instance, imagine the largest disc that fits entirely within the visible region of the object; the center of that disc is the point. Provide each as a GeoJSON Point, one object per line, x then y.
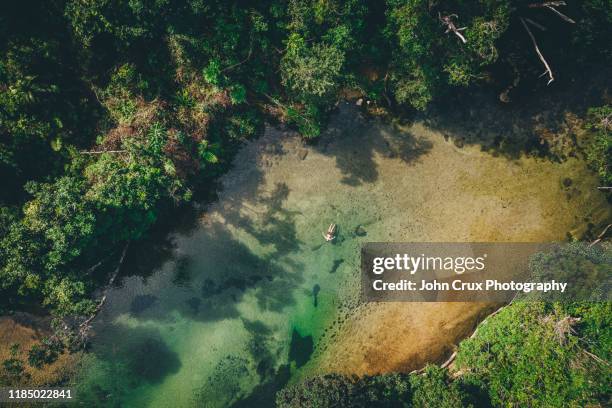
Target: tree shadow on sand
{"type": "Point", "coordinates": [539, 120]}
{"type": "Point", "coordinates": [274, 225]}
{"type": "Point", "coordinates": [353, 142]}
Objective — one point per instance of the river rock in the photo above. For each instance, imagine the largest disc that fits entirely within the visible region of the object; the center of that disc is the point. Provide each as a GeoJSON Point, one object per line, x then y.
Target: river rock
{"type": "Point", "coordinates": [302, 153]}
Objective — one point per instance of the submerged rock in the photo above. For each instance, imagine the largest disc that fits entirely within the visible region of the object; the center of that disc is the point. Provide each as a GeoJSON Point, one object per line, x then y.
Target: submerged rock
{"type": "Point", "coordinates": [360, 231]}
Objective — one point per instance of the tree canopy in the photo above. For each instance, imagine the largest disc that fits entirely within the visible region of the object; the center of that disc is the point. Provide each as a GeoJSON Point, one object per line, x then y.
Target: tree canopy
{"type": "Point", "coordinates": [113, 112]}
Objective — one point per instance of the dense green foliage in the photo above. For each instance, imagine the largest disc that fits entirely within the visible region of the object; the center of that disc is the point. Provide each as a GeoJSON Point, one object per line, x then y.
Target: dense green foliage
{"type": "Point", "coordinates": [599, 146]}
{"type": "Point", "coordinates": [586, 269]}
{"type": "Point", "coordinates": [12, 369]}
{"type": "Point", "coordinates": [113, 112]}
{"type": "Point", "coordinates": [44, 353]}
{"type": "Point", "coordinates": [432, 389]}
{"type": "Point", "coordinates": [531, 354]}
{"type": "Point", "coordinates": [423, 61]}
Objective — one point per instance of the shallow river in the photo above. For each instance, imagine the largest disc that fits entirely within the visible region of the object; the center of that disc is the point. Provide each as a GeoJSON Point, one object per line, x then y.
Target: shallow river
{"type": "Point", "coordinates": [252, 297]}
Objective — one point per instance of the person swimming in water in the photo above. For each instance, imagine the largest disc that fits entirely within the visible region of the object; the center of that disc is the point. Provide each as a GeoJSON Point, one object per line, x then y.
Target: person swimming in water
{"type": "Point", "coordinates": [331, 233]}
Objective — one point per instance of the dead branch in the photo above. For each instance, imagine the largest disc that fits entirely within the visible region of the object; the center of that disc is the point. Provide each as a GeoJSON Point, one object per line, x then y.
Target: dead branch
{"type": "Point", "coordinates": [248, 57]}
{"type": "Point", "coordinates": [596, 358]}
{"type": "Point", "coordinates": [547, 3]}
{"type": "Point", "coordinates": [451, 27]}
{"type": "Point", "coordinates": [385, 91]}
{"type": "Point", "coordinates": [280, 105]}
{"type": "Point", "coordinates": [604, 188]}
{"type": "Point", "coordinates": [560, 14]}
{"type": "Point", "coordinates": [449, 360]}
{"type": "Point", "coordinates": [536, 25]}
{"type": "Point", "coordinates": [600, 236]}
{"type": "Point", "coordinates": [84, 327]}
{"type": "Point", "coordinates": [93, 268]}
{"type": "Point", "coordinates": [606, 123]}
{"type": "Point", "coordinates": [535, 45]}
{"type": "Point", "coordinates": [602, 233]}
{"type": "Point", "coordinates": [564, 327]}
{"type": "Point", "coordinates": [551, 6]}
{"type": "Point", "coordinates": [101, 151]}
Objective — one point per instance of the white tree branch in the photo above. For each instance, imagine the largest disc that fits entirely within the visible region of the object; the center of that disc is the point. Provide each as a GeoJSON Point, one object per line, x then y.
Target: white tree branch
{"type": "Point", "coordinates": [560, 14]}
{"type": "Point", "coordinates": [537, 49]}
{"type": "Point", "coordinates": [551, 6]}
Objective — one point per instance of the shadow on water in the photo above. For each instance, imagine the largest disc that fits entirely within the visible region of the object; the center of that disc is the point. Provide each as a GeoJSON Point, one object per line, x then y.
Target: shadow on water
{"type": "Point", "coordinates": [274, 225]}
{"type": "Point", "coordinates": [315, 294]}
{"type": "Point", "coordinates": [183, 272]}
{"type": "Point", "coordinates": [193, 305]}
{"type": "Point", "coordinates": [264, 395]}
{"type": "Point", "coordinates": [301, 348]}
{"type": "Point", "coordinates": [152, 370]}
{"type": "Point", "coordinates": [215, 278]}
{"type": "Point", "coordinates": [336, 265]}
{"type": "Point", "coordinates": [226, 282]}
{"type": "Point", "coordinates": [129, 358]}
{"type": "Point", "coordinates": [140, 303]}
{"type": "Point", "coordinates": [271, 380]}
{"type": "Point", "coordinates": [354, 142]}
{"type": "Point", "coordinates": [224, 383]}
{"type": "Point", "coordinates": [209, 284]}
{"type": "Point", "coordinates": [209, 270]}
{"type": "Point", "coordinates": [530, 123]}
{"type": "Point", "coordinates": [148, 254]}
{"type": "Point", "coordinates": [259, 348]}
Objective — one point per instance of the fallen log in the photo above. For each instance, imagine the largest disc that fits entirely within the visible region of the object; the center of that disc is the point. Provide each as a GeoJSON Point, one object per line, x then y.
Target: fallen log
{"type": "Point", "coordinates": [86, 325]}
